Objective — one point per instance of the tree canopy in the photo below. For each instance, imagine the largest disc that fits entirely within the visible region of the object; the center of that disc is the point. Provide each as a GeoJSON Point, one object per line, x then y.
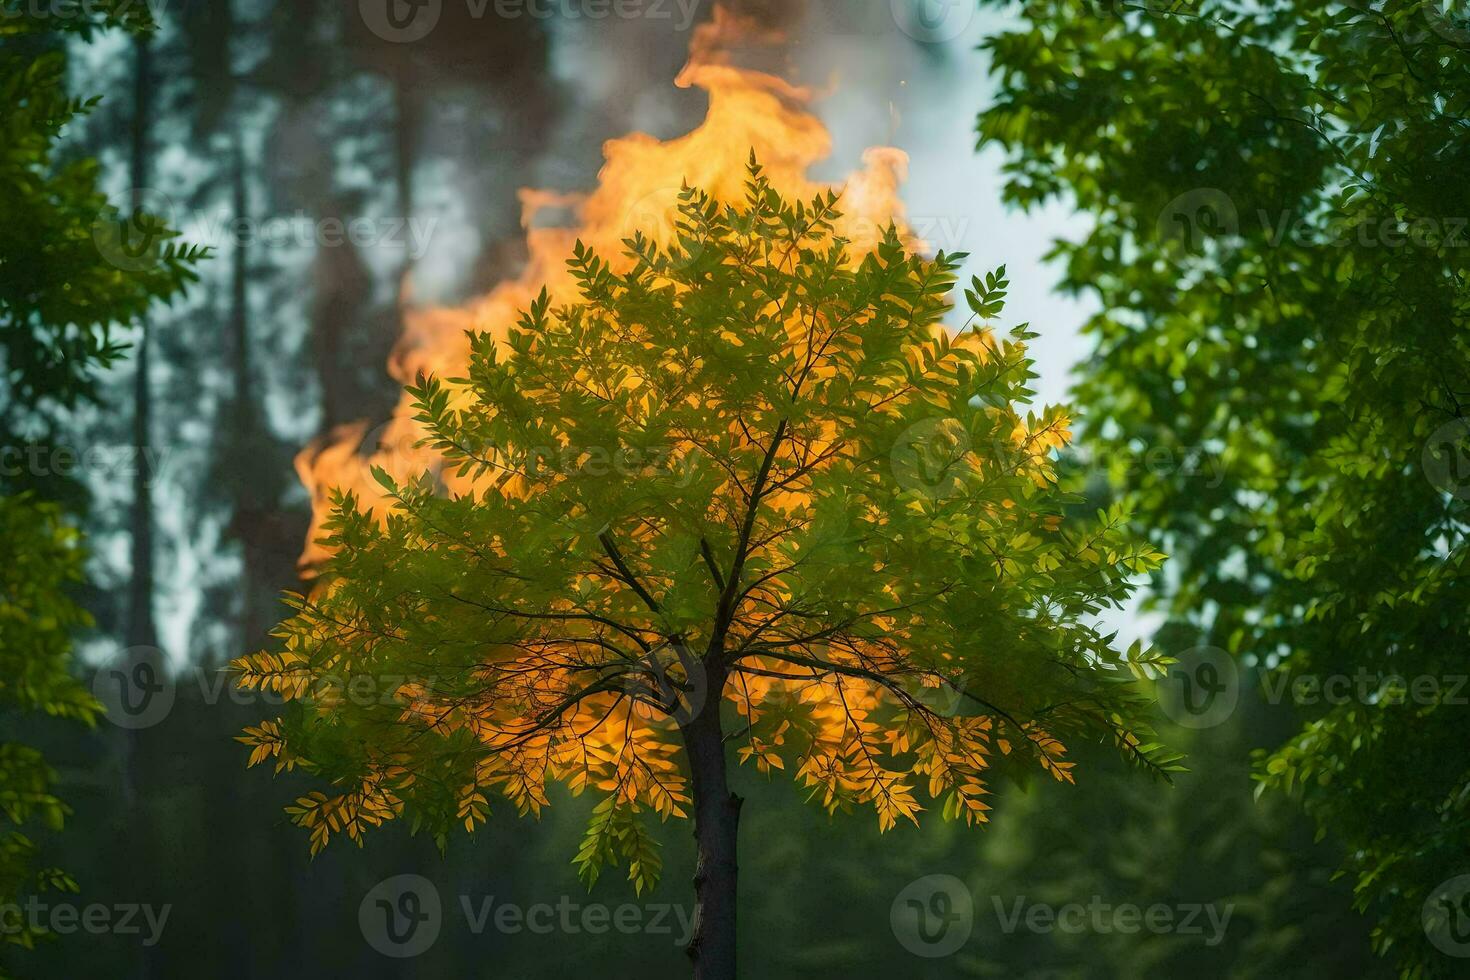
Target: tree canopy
{"type": "Point", "coordinates": [1279, 259]}
{"type": "Point", "coordinates": [744, 467]}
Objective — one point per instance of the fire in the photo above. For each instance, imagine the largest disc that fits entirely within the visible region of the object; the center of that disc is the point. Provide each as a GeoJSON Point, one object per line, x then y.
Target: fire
{"type": "Point", "coordinates": [637, 190]}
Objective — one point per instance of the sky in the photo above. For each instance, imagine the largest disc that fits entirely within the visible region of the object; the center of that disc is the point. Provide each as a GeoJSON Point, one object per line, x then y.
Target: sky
{"type": "Point", "coordinates": [923, 98]}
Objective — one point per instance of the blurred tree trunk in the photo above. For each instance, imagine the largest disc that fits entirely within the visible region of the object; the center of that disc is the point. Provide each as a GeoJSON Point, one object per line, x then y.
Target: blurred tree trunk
{"type": "Point", "coordinates": [250, 505]}
{"type": "Point", "coordinates": [144, 661]}
{"type": "Point", "coordinates": [141, 628]}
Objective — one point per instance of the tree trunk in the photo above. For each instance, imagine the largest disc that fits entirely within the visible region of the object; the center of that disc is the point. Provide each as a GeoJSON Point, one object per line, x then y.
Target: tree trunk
{"type": "Point", "coordinates": [716, 825]}
{"type": "Point", "coordinates": [141, 629]}
{"type": "Point", "coordinates": [246, 442]}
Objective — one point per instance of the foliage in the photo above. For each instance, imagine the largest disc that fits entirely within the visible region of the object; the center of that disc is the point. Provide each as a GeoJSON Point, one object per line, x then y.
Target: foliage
{"type": "Point", "coordinates": [37, 618]}
{"type": "Point", "coordinates": [747, 468]}
{"type": "Point", "coordinates": [61, 295]}
{"type": "Point", "coordinates": [1279, 254]}
{"type": "Point", "coordinates": [61, 290]}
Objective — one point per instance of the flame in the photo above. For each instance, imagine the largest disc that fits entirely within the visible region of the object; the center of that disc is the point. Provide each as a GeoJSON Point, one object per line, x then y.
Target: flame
{"type": "Point", "coordinates": [637, 190]}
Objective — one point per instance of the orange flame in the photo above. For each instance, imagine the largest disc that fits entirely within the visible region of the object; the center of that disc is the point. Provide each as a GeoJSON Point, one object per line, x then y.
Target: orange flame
{"type": "Point", "coordinates": [637, 190]}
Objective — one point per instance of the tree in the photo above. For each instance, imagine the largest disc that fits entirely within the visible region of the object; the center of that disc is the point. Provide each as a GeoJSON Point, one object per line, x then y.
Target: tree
{"type": "Point", "coordinates": [68, 277]}
{"type": "Point", "coordinates": [1279, 258]}
{"type": "Point", "coordinates": [746, 490]}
